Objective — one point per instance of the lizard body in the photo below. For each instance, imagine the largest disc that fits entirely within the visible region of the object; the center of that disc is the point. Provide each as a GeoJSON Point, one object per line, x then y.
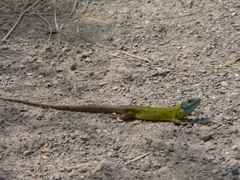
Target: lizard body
{"type": "Point", "coordinates": [173, 114]}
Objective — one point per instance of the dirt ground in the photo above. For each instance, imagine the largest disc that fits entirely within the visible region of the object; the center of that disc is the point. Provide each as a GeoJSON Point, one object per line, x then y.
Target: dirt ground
{"type": "Point", "coordinates": [152, 53]}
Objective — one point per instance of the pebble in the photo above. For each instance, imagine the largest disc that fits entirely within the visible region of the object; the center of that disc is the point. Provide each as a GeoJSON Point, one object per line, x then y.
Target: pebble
{"type": "Point", "coordinates": [56, 177]}
{"type": "Point", "coordinates": [228, 118]}
{"type": "Point", "coordinates": [4, 47]}
{"type": "Point", "coordinates": [202, 71]}
{"type": "Point", "coordinates": [73, 67]}
{"type": "Point", "coordinates": [207, 137]}
{"type": "Point", "coordinates": [39, 116]}
{"type": "Point", "coordinates": [88, 60]}
{"type": "Point", "coordinates": [224, 83]}
{"type": "Point", "coordinates": [235, 171]}
{"type": "Point", "coordinates": [59, 69]}
{"type": "Point", "coordinates": [162, 169]}
{"type": "Point", "coordinates": [71, 174]}
{"type": "Point", "coordinates": [170, 148]}
{"type": "Point", "coordinates": [85, 138]}
{"type": "Point", "coordinates": [210, 158]}
{"type": "Point", "coordinates": [28, 152]}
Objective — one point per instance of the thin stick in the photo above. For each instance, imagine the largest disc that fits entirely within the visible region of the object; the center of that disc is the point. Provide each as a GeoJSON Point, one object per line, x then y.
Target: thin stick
{"type": "Point", "coordinates": [89, 87]}
{"type": "Point", "coordinates": [47, 23]}
{"type": "Point", "coordinates": [135, 122]}
{"type": "Point", "coordinates": [202, 14]}
{"type": "Point", "coordinates": [61, 24]}
{"type": "Point", "coordinates": [75, 89]}
{"type": "Point", "coordinates": [105, 94]}
{"type": "Point", "coordinates": [4, 39]}
{"type": "Point", "coordinates": [91, 19]}
{"type": "Point", "coordinates": [125, 2]}
{"type": "Point", "coordinates": [184, 15]}
{"type": "Point", "coordinates": [114, 55]}
{"type": "Point", "coordinates": [231, 62]}
{"type": "Point", "coordinates": [132, 38]}
{"type": "Point", "coordinates": [139, 157]}
{"type": "Point", "coordinates": [55, 20]}
{"type": "Point", "coordinates": [62, 52]}
{"type": "Point", "coordinates": [136, 56]}
{"type": "Point", "coordinates": [75, 4]}
{"type": "Point", "coordinates": [81, 11]}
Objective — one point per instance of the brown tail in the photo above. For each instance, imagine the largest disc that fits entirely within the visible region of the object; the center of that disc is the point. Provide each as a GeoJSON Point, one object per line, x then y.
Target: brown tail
{"type": "Point", "coordinates": [80, 108]}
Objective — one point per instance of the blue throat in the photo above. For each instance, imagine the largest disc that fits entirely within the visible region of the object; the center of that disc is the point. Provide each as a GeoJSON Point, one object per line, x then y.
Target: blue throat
{"type": "Point", "coordinates": [187, 109]}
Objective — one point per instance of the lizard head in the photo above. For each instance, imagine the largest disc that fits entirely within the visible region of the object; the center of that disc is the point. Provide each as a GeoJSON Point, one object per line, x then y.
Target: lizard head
{"type": "Point", "coordinates": [189, 105]}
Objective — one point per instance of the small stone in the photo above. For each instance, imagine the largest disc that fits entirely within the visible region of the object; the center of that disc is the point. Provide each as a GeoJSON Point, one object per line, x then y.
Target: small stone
{"type": "Point", "coordinates": [73, 136]}
{"type": "Point", "coordinates": [207, 137]}
{"type": "Point", "coordinates": [4, 47]}
{"type": "Point", "coordinates": [84, 138]}
{"type": "Point", "coordinates": [86, 54]}
{"type": "Point", "coordinates": [28, 58]}
{"type": "Point", "coordinates": [210, 158]}
{"type": "Point", "coordinates": [28, 84]}
{"type": "Point", "coordinates": [101, 90]}
{"type": "Point", "coordinates": [189, 126]}
{"type": "Point", "coordinates": [79, 56]}
{"type": "Point", "coordinates": [116, 147]}
{"type": "Point", "coordinates": [68, 169]}
{"type": "Point", "coordinates": [71, 174]}
{"type": "Point", "coordinates": [99, 167]}
{"type": "Point", "coordinates": [73, 67]}
{"type": "Point", "coordinates": [228, 118]}
{"type": "Point", "coordinates": [234, 147]}
{"type": "Point", "coordinates": [235, 171]}
{"type": "Point", "coordinates": [7, 77]}
{"type": "Point", "coordinates": [202, 71]}
{"type": "Point", "coordinates": [56, 176]}
{"type": "Point", "coordinates": [39, 116]}
{"type": "Point", "coordinates": [58, 69]}
{"type": "Point", "coordinates": [224, 172]}
{"type": "Point", "coordinates": [98, 130]}
{"type": "Point", "coordinates": [170, 149]}
{"type": "Point", "coordinates": [34, 176]}
{"type": "Point", "coordinates": [102, 83]}
{"type": "Point", "coordinates": [88, 60]}
{"type": "Point", "coordinates": [224, 83]}
{"type": "Point", "coordinates": [237, 157]}
{"type": "Point", "coordinates": [162, 169]}
{"type": "Point", "coordinates": [188, 131]}
{"type": "Point", "coordinates": [55, 82]}
{"type": "Point", "coordinates": [115, 88]}
{"type": "Point", "coordinates": [28, 152]}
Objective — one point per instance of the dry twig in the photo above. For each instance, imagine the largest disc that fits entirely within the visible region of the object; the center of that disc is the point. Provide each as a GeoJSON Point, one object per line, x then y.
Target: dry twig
{"type": "Point", "coordinates": [4, 39]}
{"type": "Point", "coordinates": [136, 57]}
{"type": "Point", "coordinates": [231, 62]}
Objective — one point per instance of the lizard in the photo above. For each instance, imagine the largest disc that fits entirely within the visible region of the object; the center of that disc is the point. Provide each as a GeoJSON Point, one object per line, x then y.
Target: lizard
{"type": "Point", "coordinates": [172, 114]}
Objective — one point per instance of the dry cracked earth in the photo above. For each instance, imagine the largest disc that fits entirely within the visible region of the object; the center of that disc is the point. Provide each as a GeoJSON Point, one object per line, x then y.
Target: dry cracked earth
{"type": "Point", "coordinates": [150, 53]}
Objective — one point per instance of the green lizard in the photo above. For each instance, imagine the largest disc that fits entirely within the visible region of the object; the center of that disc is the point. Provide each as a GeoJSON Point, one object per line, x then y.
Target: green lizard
{"type": "Point", "coordinates": [173, 114]}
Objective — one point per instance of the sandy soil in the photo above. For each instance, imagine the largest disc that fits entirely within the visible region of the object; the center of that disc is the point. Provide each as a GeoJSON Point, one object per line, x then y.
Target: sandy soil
{"type": "Point", "coordinates": [53, 56]}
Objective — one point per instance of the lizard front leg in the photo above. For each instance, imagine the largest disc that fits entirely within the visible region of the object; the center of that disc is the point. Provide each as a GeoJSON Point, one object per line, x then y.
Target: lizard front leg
{"type": "Point", "coordinates": [178, 122]}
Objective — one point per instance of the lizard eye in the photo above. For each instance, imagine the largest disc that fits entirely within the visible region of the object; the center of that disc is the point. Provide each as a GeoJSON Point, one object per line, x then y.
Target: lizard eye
{"type": "Point", "coordinates": [190, 101]}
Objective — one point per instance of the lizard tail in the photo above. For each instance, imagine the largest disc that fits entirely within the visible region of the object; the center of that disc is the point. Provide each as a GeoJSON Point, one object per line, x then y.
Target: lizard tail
{"type": "Point", "coordinates": [80, 108]}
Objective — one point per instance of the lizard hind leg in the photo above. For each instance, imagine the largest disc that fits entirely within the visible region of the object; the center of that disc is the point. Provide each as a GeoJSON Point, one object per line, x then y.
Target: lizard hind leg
{"type": "Point", "coordinates": [127, 115]}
